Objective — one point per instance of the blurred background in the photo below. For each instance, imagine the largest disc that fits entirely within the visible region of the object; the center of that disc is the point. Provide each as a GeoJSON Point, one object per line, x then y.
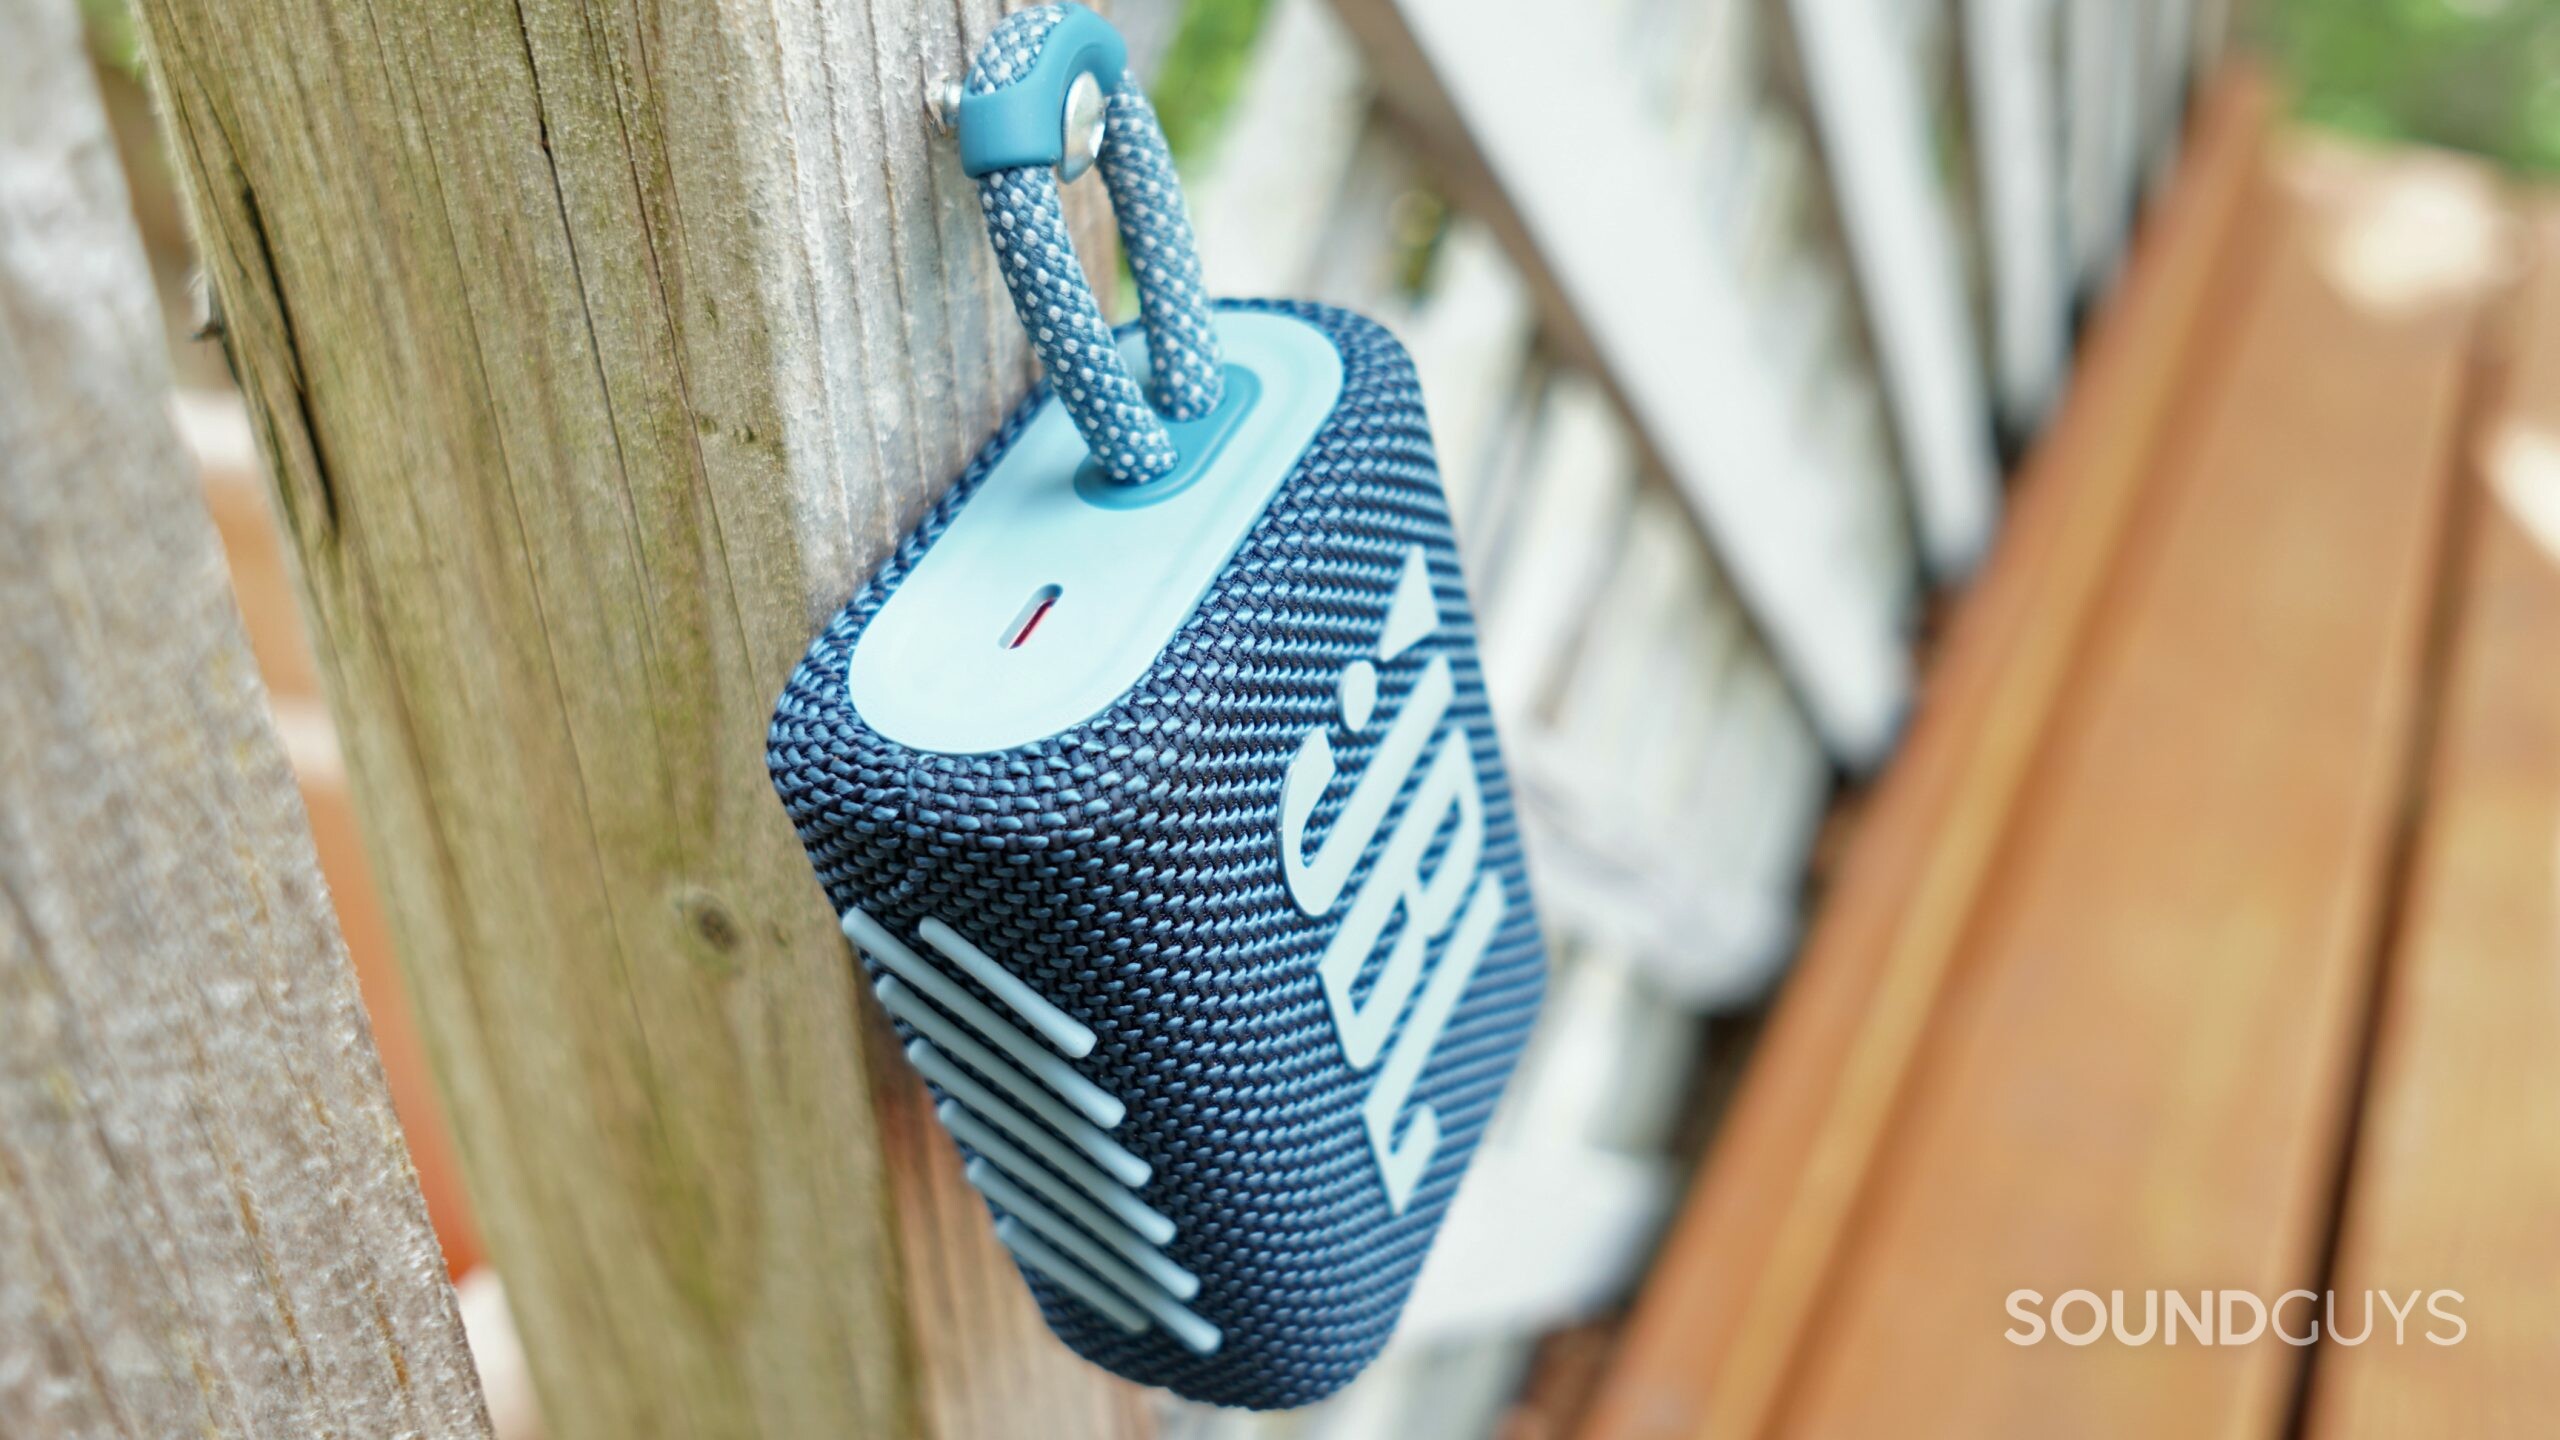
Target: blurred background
{"type": "Point", "coordinates": [1909, 221]}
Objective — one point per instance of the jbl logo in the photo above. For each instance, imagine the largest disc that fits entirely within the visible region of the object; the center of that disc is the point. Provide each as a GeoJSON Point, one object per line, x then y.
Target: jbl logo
{"type": "Point", "coordinates": [1452, 909]}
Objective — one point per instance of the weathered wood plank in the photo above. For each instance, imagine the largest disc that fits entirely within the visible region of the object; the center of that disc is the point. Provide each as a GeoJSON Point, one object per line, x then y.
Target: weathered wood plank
{"type": "Point", "coordinates": [599, 351]}
{"type": "Point", "coordinates": [208, 1223]}
{"type": "Point", "coordinates": [1735, 1284]}
{"type": "Point", "coordinates": [215, 428]}
{"type": "Point", "coordinates": [2138, 1079]}
{"type": "Point", "coordinates": [2456, 1180]}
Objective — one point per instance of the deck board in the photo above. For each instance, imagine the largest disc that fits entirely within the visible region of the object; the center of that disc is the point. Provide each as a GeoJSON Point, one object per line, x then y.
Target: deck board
{"type": "Point", "coordinates": [2456, 1182]}
{"type": "Point", "coordinates": [2139, 1075]}
{"type": "Point", "coordinates": [1718, 1322]}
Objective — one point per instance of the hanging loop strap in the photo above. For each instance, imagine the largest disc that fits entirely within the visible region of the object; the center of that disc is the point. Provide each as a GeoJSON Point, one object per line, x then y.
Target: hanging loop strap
{"type": "Point", "coordinates": [1013, 130]}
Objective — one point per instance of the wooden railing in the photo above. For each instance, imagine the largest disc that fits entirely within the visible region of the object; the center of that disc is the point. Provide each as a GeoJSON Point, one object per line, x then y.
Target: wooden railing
{"type": "Point", "coordinates": [594, 357]}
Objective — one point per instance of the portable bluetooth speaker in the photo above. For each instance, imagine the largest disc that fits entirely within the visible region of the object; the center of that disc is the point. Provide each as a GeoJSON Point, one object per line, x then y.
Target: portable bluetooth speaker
{"type": "Point", "coordinates": [1154, 779]}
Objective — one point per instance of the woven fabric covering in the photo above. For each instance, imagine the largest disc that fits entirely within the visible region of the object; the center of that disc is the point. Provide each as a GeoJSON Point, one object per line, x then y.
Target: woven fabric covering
{"type": "Point", "coordinates": [1037, 258]}
{"type": "Point", "coordinates": [1013, 47]}
{"type": "Point", "coordinates": [1129, 870]}
{"type": "Point", "coordinates": [1155, 233]}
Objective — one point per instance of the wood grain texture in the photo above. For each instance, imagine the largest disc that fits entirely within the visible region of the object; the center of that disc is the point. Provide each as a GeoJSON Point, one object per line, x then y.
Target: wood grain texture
{"type": "Point", "coordinates": [2456, 1183]}
{"type": "Point", "coordinates": [599, 351]}
{"type": "Point", "coordinates": [2139, 1076]}
{"type": "Point", "coordinates": [208, 1223]}
{"type": "Point", "coordinates": [1732, 1291]}
{"type": "Point", "coordinates": [215, 428]}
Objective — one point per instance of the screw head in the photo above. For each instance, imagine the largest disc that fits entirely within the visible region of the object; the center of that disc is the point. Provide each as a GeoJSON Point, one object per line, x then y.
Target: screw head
{"type": "Point", "coordinates": [942, 105]}
{"type": "Point", "coordinates": [1083, 122]}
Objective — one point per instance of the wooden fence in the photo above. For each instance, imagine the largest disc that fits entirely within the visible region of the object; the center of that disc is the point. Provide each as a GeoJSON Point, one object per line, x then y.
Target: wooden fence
{"type": "Point", "coordinates": [595, 357]}
{"type": "Point", "coordinates": [208, 1223]}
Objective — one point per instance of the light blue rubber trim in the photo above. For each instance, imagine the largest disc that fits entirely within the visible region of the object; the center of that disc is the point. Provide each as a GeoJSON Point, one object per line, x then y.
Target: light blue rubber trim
{"type": "Point", "coordinates": [1090, 1225]}
{"type": "Point", "coordinates": [1057, 1026]}
{"type": "Point", "coordinates": [1196, 1334]}
{"type": "Point", "coordinates": [1196, 444]}
{"type": "Point", "coordinates": [1117, 1208]}
{"type": "Point", "coordinates": [1151, 1224]}
{"type": "Point", "coordinates": [932, 670]}
{"type": "Point", "coordinates": [941, 1035]}
{"type": "Point", "coordinates": [1025, 122]}
{"type": "Point", "coordinates": [1031, 1250]}
{"type": "Point", "coordinates": [1092, 1101]}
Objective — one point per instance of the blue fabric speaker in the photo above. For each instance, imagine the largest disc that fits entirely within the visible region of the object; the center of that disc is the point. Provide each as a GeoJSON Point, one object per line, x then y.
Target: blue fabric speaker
{"type": "Point", "coordinates": [1154, 780]}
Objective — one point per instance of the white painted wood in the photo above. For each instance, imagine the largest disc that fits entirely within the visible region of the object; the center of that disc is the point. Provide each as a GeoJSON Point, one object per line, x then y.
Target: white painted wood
{"type": "Point", "coordinates": [208, 1221]}
{"type": "Point", "coordinates": [1625, 822]}
{"type": "Point", "coordinates": [1819, 368]}
{"type": "Point", "coordinates": [2126, 97]}
{"type": "Point", "coordinates": [1469, 339]}
{"type": "Point", "coordinates": [1708, 76]}
{"type": "Point", "coordinates": [1149, 26]}
{"type": "Point", "coordinates": [1604, 215]}
{"type": "Point", "coordinates": [1609, 1066]}
{"type": "Point", "coordinates": [1845, 434]}
{"type": "Point", "coordinates": [2010, 76]}
{"type": "Point", "coordinates": [1709, 938]}
{"type": "Point", "coordinates": [1711, 97]}
{"type": "Point", "coordinates": [1356, 256]}
{"type": "Point", "coordinates": [1771, 197]}
{"type": "Point", "coordinates": [1261, 198]}
{"type": "Point", "coordinates": [1486, 508]}
{"type": "Point", "coordinates": [1764, 200]}
{"type": "Point", "coordinates": [1871, 111]}
{"type": "Point", "coordinates": [1653, 581]}
{"type": "Point", "coordinates": [1539, 1236]}
{"type": "Point", "coordinates": [1538, 597]}
{"type": "Point", "coordinates": [2168, 54]}
{"type": "Point", "coordinates": [1778, 783]}
{"type": "Point", "coordinates": [2100, 50]}
{"type": "Point", "coordinates": [1442, 1392]}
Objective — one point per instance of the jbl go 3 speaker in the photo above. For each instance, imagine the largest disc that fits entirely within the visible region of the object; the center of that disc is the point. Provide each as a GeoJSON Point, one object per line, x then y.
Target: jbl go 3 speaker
{"type": "Point", "coordinates": [1154, 780]}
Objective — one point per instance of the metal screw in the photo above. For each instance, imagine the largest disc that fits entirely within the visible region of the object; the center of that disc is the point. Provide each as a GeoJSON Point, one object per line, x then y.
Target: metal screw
{"type": "Point", "coordinates": [1084, 128]}
{"type": "Point", "coordinates": [942, 104]}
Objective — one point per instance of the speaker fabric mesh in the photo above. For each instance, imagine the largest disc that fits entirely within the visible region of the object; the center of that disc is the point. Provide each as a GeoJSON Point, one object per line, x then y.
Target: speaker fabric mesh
{"type": "Point", "coordinates": [1128, 869]}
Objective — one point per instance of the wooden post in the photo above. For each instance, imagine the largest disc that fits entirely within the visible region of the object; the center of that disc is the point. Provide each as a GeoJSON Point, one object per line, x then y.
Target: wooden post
{"type": "Point", "coordinates": [208, 1223]}
{"type": "Point", "coordinates": [599, 352]}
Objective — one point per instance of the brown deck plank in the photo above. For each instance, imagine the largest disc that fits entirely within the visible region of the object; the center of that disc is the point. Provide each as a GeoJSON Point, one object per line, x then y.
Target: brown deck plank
{"type": "Point", "coordinates": [1720, 1319]}
{"type": "Point", "coordinates": [2139, 1077]}
{"type": "Point", "coordinates": [2456, 1182]}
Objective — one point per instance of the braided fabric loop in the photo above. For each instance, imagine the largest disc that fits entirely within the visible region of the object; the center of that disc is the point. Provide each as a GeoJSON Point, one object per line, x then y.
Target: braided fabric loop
{"type": "Point", "coordinates": [1122, 425]}
{"type": "Point", "coordinates": [1010, 50]}
{"type": "Point", "coordinates": [1155, 230]}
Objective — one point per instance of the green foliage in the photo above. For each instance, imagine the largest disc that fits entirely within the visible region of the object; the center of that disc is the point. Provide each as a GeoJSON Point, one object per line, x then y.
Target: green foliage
{"type": "Point", "coordinates": [113, 38]}
{"type": "Point", "coordinates": [2478, 75]}
{"type": "Point", "coordinates": [1201, 70]}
